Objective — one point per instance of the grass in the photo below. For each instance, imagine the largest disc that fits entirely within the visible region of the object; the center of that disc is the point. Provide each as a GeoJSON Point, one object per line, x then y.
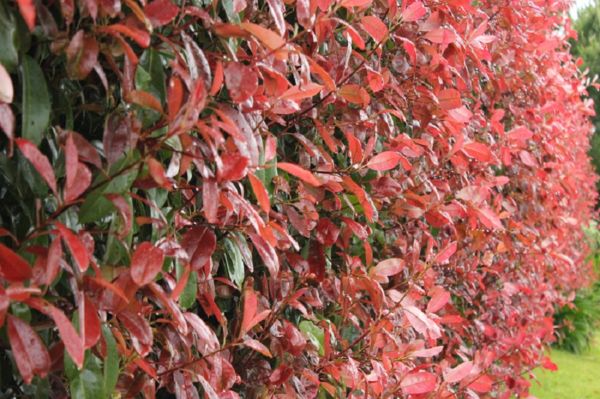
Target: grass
{"type": "Point", "coordinates": [578, 376]}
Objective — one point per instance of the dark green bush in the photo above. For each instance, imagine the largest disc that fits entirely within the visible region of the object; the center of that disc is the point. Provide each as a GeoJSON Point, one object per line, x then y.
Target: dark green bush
{"type": "Point", "coordinates": [579, 321]}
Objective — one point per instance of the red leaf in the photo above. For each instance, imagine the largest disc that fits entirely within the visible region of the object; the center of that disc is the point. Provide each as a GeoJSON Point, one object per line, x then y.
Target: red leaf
{"type": "Point", "coordinates": [39, 162]}
{"type": "Point", "coordinates": [71, 160]}
{"type": "Point", "coordinates": [439, 298]}
{"type": "Point", "coordinates": [267, 253]}
{"type": "Point", "coordinates": [78, 176]}
{"type": "Point", "coordinates": [89, 324]}
{"type": "Point", "coordinates": [441, 36]}
{"type": "Point", "coordinates": [120, 135]}
{"type": "Point", "coordinates": [262, 196]}
{"type": "Point", "coordinates": [489, 218]}
{"type": "Point", "coordinates": [520, 134]}
{"type": "Point", "coordinates": [445, 254]}
{"type": "Point", "coordinates": [144, 100]}
{"type": "Point", "coordinates": [161, 12]}
{"type": "Point", "coordinates": [210, 199]}
{"type": "Point", "coordinates": [267, 37]}
{"type": "Point", "coordinates": [479, 151]}
{"type": "Point", "coordinates": [356, 3]}
{"type": "Point", "coordinates": [199, 243]}
{"type": "Point", "coordinates": [141, 37]}
{"type": "Point", "coordinates": [419, 382]}
{"type": "Point", "coordinates": [82, 55]}
{"type": "Point", "coordinates": [322, 73]}
{"type": "Point", "coordinates": [7, 122]}
{"type": "Point", "coordinates": [139, 331]}
{"type": "Point", "coordinates": [316, 260]}
{"type": "Point", "coordinates": [327, 232]}
{"type": "Point", "coordinates": [547, 363]}
{"type": "Point", "coordinates": [146, 263]}
{"type": "Point", "coordinates": [4, 304]}
{"type": "Point", "coordinates": [376, 81]}
{"type": "Point", "coordinates": [297, 93]}
{"type": "Point", "coordinates": [449, 99]}
{"type": "Point", "coordinates": [257, 346]}
{"type": "Point", "coordinates": [174, 96]}
{"type": "Point", "coordinates": [86, 151]}
{"type": "Point", "coordinates": [241, 81]}
{"type": "Point", "coordinates": [421, 323]}
{"type": "Point", "coordinates": [78, 250]}
{"type": "Point", "coordinates": [158, 174]}
{"type": "Point", "coordinates": [387, 268]}
{"type": "Point", "coordinates": [124, 210]}
{"type": "Point", "coordinates": [374, 27]}
{"type": "Point", "coordinates": [233, 168]}
{"type": "Point", "coordinates": [217, 79]}
{"type": "Point", "coordinates": [206, 339]}
{"type": "Point", "coordinates": [430, 352]}
{"type": "Point", "coordinates": [6, 86]}
{"type": "Point", "coordinates": [12, 267]}
{"type": "Point", "coordinates": [354, 94]}
{"type": "Point", "coordinates": [250, 318]}
{"type": "Point", "coordinates": [384, 161]}
{"type": "Point", "coordinates": [28, 350]}
{"type": "Point", "coordinates": [53, 259]}
{"type": "Point", "coordinates": [169, 304]}
{"type": "Point", "coordinates": [27, 10]}
{"type": "Point", "coordinates": [413, 12]}
{"type": "Point", "coordinates": [458, 373]}
{"type": "Point", "coordinates": [482, 384]}
{"type": "Point", "coordinates": [72, 341]}
{"type": "Point", "coordinates": [300, 173]}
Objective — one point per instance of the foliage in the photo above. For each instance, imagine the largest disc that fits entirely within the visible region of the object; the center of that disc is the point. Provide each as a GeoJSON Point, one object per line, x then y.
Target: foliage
{"type": "Point", "coordinates": [287, 199]}
{"type": "Point", "coordinates": [587, 47]}
{"type": "Point", "coordinates": [578, 321]}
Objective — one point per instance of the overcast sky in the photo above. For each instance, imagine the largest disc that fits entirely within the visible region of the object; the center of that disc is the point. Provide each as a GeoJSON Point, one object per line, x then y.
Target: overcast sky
{"type": "Point", "coordinates": [578, 4]}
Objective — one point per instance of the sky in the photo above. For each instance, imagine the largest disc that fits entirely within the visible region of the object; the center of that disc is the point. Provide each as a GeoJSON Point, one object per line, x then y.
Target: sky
{"type": "Point", "coordinates": [579, 4]}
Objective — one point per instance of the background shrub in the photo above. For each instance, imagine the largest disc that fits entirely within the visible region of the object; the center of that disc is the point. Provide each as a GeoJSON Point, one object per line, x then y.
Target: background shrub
{"type": "Point", "coordinates": [320, 198]}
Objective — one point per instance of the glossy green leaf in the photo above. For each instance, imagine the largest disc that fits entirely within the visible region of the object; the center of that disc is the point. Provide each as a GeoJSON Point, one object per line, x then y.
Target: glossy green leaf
{"type": "Point", "coordinates": [315, 334]}
{"type": "Point", "coordinates": [96, 205]}
{"type": "Point", "coordinates": [111, 363]}
{"type": "Point", "coordinates": [36, 101]}
{"type": "Point", "coordinates": [9, 41]}
{"type": "Point", "coordinates": [233, 262]}
{"type": "Point", "coordinates": [188, 295]}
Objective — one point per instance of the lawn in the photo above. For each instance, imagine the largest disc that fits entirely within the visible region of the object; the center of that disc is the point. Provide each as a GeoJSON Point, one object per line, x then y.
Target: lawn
{"type": "Point", "coordinates": [578, 376]}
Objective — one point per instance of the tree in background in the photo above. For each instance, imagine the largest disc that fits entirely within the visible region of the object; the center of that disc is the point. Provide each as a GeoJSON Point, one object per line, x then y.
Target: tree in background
{"type": "Point", "coordinates": [587, 25]}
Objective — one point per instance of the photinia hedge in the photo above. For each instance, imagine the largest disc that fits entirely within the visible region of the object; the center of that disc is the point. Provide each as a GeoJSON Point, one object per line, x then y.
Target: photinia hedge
{"type": "Point", "coordinates": [290, 199]}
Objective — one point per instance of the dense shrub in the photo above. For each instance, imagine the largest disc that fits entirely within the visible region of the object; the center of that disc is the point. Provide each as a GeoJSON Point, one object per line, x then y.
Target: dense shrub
{"type": "Point", "coordinates": [325, 198]}
{"type": "Point", "coordinates": [578, 321]}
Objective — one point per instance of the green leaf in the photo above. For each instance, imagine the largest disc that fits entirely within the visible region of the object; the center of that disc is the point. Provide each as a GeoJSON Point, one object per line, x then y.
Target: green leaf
{"type": "Point", "coordinates": [232, 16]}
{"type": "Point", "coordinates": [315, 334]}
{"type": "Point", "coordinates": [150, 75]}
{"type": "Point", "coordinates": [86, 383]}
{"type": "Point", "coordinates": [9, 55]}
{"type": "Point", "coordinates": [96, 206]}
{"type": "Point", "coordinates": [111, 363]}
{"type": "Point", "coordinates": [36, 101]}
{"type": "Point", "coordinates": [188, 296]}
{"type": "Point", "coordinates": [233, 263]}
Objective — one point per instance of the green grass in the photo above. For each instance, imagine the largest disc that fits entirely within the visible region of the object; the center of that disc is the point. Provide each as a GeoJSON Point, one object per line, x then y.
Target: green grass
{"type": "Point", "coordinates": [578, 376]}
